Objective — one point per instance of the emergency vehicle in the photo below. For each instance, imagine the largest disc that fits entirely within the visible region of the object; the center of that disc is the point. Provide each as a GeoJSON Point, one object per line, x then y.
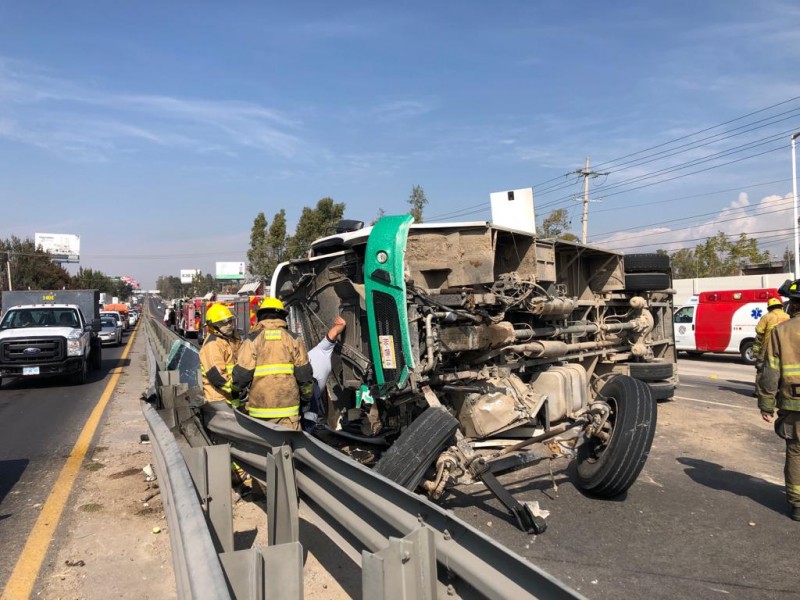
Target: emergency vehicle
{"type": "Point", "coordinates": [188, 319]}
{"type": "Point", "coordinates": [244, 308]}
{"type": "Point", "coordinates": [723, 321]}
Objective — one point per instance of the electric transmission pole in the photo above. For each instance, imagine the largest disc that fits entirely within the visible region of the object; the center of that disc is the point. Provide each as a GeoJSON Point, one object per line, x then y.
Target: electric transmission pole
{"type": "Point", "coordinates": [586, 173]}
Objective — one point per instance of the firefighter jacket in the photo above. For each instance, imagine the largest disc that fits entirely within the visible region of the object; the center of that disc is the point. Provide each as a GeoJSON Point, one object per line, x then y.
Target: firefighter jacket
{"type": "Point", "coordinates": [765, 325]}
{"type": "Point", "coordinates": [217, 358]}
{"type": "Point", "coordinates": [779, 384]}
{"type": "Point", "coordinates": [274, 363]}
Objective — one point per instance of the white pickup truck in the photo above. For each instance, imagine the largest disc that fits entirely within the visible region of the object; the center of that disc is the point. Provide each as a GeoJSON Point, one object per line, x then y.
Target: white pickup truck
{"type": "Point", "coordinates": [47, 333]}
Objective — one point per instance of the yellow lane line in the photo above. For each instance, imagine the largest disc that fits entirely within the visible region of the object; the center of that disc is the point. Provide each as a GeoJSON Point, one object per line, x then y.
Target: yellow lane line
{"type": "Point", "coordinates": [20, 584]}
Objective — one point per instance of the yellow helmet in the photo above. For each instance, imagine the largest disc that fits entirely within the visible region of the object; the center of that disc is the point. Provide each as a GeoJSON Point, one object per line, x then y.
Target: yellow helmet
{"type": "Point", "coordinates": [774, 302]}
{"type": "Point", "coordinates": [218, 314]}
{"type": "Point", "coordinates": [270, 303]}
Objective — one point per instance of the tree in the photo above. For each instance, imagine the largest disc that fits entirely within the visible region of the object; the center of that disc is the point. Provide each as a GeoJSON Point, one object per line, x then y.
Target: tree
{"type": "Point", "coordinates": [89, 279]}
{"type": "Point", "coordinates": [314, 223]}
{"type": "Point", "coordinates": [276, 242]}
{"type": "Point", "coordinates": [417, 201]}
{"type": "Point", "coordinates": [257, 255]}
{"type": "Point", "coordinates": [31, 268]}
{"type": "Point", "coordinates": [556, 225]}
{"type": "Point", "coordinates": [377, 218]}
{"type": "Point", "coordinates": [718, 256]}
{"type": "Point", "coordinates": [169, 286]}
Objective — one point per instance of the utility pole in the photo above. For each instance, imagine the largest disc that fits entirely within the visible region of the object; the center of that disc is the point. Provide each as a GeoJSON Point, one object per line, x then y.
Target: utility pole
{"type": "Point", "coordinates": [586, 173]}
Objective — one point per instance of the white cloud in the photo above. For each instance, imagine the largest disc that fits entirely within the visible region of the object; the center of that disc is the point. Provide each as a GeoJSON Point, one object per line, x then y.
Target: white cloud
{"type": "Point", "coordinates": [769, 222]}
{"type": "Point", "coordinates": [85, 123]}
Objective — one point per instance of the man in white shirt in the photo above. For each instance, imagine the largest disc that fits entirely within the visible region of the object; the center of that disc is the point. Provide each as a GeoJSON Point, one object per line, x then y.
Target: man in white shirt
{"type": "Point", "coordinates": [320, 357]}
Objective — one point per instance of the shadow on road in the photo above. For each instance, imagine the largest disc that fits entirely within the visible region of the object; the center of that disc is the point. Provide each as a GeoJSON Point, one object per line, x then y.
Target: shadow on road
{"type": "Point", "coordinates": [769, 495]}
{"type": "Point", "coordinates": [10, 472]}
{"type": "Point", "coordinates": [730, 359]}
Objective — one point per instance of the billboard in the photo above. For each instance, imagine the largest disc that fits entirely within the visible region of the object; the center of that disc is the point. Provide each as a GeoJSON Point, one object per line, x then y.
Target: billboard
{"type": "Point", "coordinates": [187, 275]}
{"type": "Point", "coordinates": [64, 247]}
{"type": "Point", "coordinates": [230, 270]}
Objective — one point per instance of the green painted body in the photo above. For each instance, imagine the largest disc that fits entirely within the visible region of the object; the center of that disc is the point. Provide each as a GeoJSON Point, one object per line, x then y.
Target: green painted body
{"type": "Point", "coordinates": [385, 288]}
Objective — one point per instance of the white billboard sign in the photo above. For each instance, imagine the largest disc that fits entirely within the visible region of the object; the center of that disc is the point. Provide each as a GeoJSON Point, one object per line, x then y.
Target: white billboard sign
{"type": "Point", "coordinates": [230, 270]}
{"type": "Point", "coordinates": [65, 247]}
{"type": "Point", "coordinates": [187, 275]}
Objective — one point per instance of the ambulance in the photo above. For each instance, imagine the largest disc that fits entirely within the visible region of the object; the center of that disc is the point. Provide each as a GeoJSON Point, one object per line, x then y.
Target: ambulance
{"type": "Point", "coordinates": [723, 321]}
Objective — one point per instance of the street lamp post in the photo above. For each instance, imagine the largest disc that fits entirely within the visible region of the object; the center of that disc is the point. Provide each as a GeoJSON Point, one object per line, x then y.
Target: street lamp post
{"type": "Point", "coordinates": [794, 203]}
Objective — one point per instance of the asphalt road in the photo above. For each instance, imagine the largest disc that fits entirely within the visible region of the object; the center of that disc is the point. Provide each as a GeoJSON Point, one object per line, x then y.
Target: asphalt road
{"type": "Point", "coordinates": [40, 420]}
{"type": "Point", "coordinates": [706, 518]}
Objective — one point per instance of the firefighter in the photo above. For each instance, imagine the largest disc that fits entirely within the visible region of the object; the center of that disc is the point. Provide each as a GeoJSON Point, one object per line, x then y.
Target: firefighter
{"type": "Point", "coordinates": [218, 354]}
{"type": "Point", "coordinates": [274, 364]}
{"type": "Point", "coordinates": [774, 316]}
{"type": "Point", "coordinates": [779, 387]}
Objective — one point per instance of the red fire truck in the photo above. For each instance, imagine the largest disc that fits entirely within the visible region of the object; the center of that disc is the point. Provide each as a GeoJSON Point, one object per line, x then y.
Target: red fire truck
{"type": "Point", "coordinates": [188, 318]}
{"type": "Point", "coordinates": [244, 308]}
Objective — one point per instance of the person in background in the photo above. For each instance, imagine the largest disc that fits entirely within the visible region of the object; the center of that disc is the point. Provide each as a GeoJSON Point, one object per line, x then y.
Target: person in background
{"type": "Point", "coordinates": [774, 316]}
{"type": "Point", "coordinates": [779, 387]}
{"type": "Point", "coordinates": [273, 363]}
{"type": "Point", "coordinates": [218, 355]}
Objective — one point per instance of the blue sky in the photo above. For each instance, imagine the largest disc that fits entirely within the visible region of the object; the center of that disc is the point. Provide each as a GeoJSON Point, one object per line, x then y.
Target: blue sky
{"type": "Point", "coordinates": [157, 131]}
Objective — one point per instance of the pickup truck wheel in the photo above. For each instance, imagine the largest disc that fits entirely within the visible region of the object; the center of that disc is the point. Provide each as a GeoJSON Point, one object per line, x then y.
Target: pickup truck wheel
{"type": "Point", "coordinates": [406, 461]}
{"type": "Point", "coordinates": [746, 350]}
{"type": "Point", "coordinates": [608, 469]}
{"type": "Point", "coordinates": [79, 378]}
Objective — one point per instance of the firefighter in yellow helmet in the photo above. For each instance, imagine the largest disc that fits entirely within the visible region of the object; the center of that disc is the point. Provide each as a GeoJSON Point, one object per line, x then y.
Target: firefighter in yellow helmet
{"type": "Point", "coordinates": [775, 315]}
{"type": "Point", "coordinates": [274, 363]}
{"type": "Point", "coordinates": [779, 387]}
{"type": "Point", "coordinates": [218, 354]}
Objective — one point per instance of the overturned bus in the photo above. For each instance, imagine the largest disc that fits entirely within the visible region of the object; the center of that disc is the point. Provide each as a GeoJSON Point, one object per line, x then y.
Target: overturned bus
{"type": "Point", "coordinates": [473, 349]}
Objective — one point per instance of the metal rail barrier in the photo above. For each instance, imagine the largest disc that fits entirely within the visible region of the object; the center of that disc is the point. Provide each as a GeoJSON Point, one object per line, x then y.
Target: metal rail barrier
{"type": "Point", "coordinates": [407, 546]}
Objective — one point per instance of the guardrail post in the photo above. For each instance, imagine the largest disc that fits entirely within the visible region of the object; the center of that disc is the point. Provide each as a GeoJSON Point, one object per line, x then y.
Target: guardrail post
{"type": "Point", "coordinates": [210, 468]}
{"type": "Point", "coordinates": [274, 572]}
{"type": "Point", "coordinates": [283, 523]}
{"type": "Point", "coordinates": [406, 570]}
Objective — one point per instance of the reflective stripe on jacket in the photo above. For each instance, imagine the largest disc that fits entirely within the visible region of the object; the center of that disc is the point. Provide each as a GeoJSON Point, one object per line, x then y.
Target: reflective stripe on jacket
{"type": "Point", "coordinates": [217, 359]}
{"type": "Point", "coordinates": [779, 384]}
{"type": "Point", "coordinates": [765, 325]}
{"type": "Point", "coordinates": [275, 364]}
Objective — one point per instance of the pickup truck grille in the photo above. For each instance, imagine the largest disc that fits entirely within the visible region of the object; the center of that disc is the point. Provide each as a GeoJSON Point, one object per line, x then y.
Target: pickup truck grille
{"type": "Point", "coordinates": [32, 350]}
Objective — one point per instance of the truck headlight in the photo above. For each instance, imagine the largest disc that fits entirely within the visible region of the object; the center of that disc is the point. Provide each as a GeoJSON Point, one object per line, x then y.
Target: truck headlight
{"type": "Point", "coordinates": [74, 345]}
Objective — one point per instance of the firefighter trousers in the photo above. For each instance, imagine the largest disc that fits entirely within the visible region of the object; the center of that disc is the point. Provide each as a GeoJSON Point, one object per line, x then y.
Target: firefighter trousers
{"type": "Point", "coordinates": [788, 427]}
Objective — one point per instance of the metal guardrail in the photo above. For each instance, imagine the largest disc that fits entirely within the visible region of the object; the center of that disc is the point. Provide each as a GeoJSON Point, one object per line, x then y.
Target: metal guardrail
{"type": "Point", "coordinates": [407, 546]}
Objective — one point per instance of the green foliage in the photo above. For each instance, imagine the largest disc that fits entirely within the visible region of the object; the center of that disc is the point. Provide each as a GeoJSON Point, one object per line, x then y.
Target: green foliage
{"type": "Point", "coordinates": [417, 201]}
{"type": "Point", "coordinates": [377, 218]}
{"type": "Point", "coordinates": [314, 223]}
{"type": "Point", "coordinates": [31, 268]}
{"type": "Point", "coordinates": [89, 279]}
{"type": "Point", "coordinates": [276, 242]}
{"type": "Point", "coordinates": [257, 254]}
{"type": "Point", "coordinates": [556, 225]}
{"type": "Point", "coordinates": [718, 256]}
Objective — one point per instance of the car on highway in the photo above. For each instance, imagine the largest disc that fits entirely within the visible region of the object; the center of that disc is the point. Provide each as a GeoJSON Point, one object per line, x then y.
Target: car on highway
{"type": "Point", "coordinates": [110, 331]}
{"type": "Point", "coordinates": [117, 317]}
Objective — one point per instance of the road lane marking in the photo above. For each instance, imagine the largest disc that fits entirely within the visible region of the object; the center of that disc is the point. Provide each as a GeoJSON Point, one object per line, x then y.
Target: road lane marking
{"type": "Point", "coordinates": [716, 403]}
{"type": "Point", "coordinates": [26, 570]}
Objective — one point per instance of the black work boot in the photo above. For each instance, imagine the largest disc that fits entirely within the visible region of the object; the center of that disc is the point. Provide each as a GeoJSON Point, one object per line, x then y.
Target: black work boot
{"type": "Point", "coordinates": [794, 513]}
